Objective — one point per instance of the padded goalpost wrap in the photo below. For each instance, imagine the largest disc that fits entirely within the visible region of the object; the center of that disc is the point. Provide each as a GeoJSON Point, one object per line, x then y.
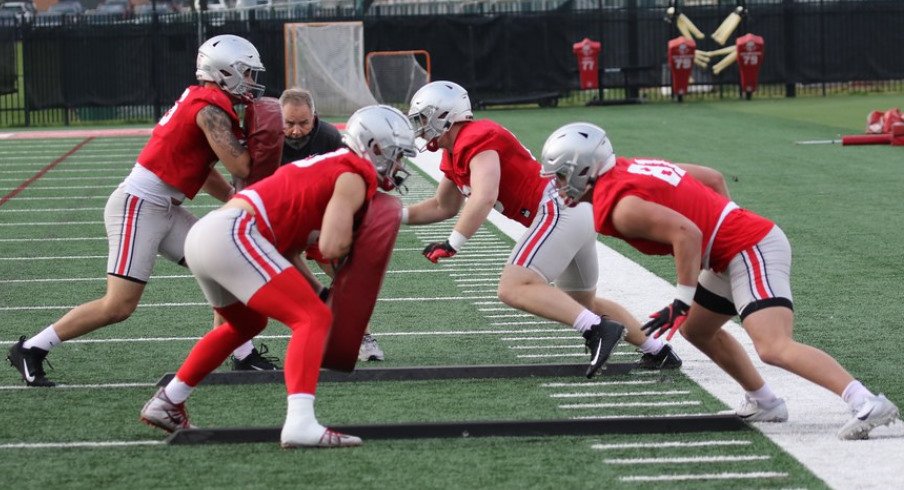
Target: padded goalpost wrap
{"type": "Point", "coordinates": [358, 281]}
{"type": "Point", "coordinates": [394, 76]}
{"type": "Point", "coordinates": [327, 58]}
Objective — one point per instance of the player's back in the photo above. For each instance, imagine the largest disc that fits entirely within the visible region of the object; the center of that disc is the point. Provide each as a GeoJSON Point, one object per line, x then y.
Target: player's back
{"type": "Point", "coordinates": [293, 200]}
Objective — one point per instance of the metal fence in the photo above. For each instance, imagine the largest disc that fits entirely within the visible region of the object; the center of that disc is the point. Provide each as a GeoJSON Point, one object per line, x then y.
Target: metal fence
{"type": "Point", "coordinates": [86, 69]}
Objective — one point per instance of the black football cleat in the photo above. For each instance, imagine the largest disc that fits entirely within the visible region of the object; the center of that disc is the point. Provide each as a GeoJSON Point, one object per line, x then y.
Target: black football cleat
{"type": "Point", "coordinates": [601, 339]}
{"type": "Point", "coordinates": [665, 359]}
{"type": "Point", "coordinates": [29, 363]}
{"type": "Point", "coordinates": [256, 361]}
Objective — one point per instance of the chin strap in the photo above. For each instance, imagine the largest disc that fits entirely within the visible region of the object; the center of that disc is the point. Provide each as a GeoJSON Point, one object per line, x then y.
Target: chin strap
{"type": "Point", "coordinates": [433, 145]}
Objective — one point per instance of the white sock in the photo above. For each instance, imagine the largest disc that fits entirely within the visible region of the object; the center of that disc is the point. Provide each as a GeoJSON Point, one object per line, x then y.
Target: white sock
{"type": "Point", "coordinates": [301, 425]}
{"type": "Point", "coordinates": [243, 350]}
{"type": "Point", "coordinates": [45, 339]}
{"type": "Point", "coordinates": [585, 320]}
{"type": "Point", "coordinates": [855, 394]}
{"type": "Point", "coordinates": [651, 346]}
{"type": "Point", "coordinates": [177, 390]}
{"type": "Point", "coordinates": [764, 396]}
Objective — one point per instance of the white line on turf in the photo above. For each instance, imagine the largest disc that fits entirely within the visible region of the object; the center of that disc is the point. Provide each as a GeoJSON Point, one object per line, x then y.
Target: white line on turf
{"type": "Point", "coordinates": [584, 406]}
{"type": "Point", "coordinates": [617, 394]}
{"type": "Point", "coordinates": [689, 459]}
{"type": "Point", "coordinates": [589, 384]}
{"type": "Point", "coordinates": [610, 415]}
{"type": "Point", "coordinates": [562, 337]}
{"type": "Point", "coordinates": [671, 444]}
{"type": "Point", "coordinates": [276, 337]}
{"type": "Point", "coordinates": [190, 304]}
{"type": "Point", "coordinates": [705, 476]}
{"type": "Point", "coordinates": [74, 239]}
{"type": "Point", "coordinates": [73, 445]}
{"type": "Point", "coordinates": [84, 386]}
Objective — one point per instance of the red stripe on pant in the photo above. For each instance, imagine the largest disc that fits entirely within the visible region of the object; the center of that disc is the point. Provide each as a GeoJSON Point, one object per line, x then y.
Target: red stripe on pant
{"type": "Point", "coordinates": [759, 282]}
{"type": "Point", "coordinates": [251, 250]}
{"type": "Point", "coordinates": [541, 230]}
{"type": "Point", "coordinates": [125, 247]}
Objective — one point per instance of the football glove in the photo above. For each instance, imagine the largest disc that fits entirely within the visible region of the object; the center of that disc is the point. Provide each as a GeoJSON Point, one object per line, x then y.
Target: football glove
{"type": "Point", "coordinates": [668, 319]}
{"type": "Point", "coordinates": [439, 250]}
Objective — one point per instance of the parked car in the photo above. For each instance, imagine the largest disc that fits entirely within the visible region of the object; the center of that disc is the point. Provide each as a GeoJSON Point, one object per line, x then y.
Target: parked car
{"type": "Point", "coordinates": [21, 11]}
{"type": "Point", "coordinates": [163, 7]}
{"type": "Point", "coordinates": [111, 10]}
{"type": "Point", "coordinates": [66, 7]}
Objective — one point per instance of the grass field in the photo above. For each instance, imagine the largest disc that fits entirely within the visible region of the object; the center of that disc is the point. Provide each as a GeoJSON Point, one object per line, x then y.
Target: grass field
{"type": "Point", "coordinates": [839, 206]}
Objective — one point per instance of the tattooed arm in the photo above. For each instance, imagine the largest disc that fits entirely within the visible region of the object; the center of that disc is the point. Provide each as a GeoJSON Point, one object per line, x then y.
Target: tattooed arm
{"type": "Point", "coordinates": [218, 128]}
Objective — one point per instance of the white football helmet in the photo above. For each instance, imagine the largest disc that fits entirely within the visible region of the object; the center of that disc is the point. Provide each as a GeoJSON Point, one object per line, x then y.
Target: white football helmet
{"type": "Point", "coordinates": [382, 135]}
{"type": "Point", "coordinates": [225, 59]}
{"type": "Point", "coordinates": [577, 153]}
{"type": "Point", "coordinates": [436, 107]}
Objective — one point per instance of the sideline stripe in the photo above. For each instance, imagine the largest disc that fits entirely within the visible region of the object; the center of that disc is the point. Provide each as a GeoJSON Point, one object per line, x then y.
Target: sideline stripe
{"type": "Point", "coordinates": [43, 171]}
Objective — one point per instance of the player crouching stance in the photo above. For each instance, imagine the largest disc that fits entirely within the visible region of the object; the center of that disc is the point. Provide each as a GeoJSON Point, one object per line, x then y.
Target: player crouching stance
{"type": "Point", "coordinates": [728, 260]}
{"type": "Point", "coordinates": [245, 256]}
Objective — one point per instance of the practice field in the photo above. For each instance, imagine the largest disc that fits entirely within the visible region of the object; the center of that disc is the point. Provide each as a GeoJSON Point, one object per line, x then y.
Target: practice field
{"type": "Point", "coordinates": [840, 207]}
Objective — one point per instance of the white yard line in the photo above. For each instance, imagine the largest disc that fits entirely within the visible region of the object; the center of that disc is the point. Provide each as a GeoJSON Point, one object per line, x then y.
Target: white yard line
{"type": "Point", "coordinates": [705, 476]}
{"type": "Point", "coordinates": [815, 413]}
{"type": "Point", "coordinates": [689, 459]}
{"type": "Point", "coordinates": [458, 331]}
{"type": "Point", "coordinates": [671, 444]}
{"type": "Point", "coordinates": [84, 444]}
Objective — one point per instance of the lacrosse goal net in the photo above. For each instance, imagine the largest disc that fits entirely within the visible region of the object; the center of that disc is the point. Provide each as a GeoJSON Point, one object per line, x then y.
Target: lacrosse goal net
{"type": "Point", "coordinates": [394, 76]}
{"type": "Point", "coordinates": [327, 58]}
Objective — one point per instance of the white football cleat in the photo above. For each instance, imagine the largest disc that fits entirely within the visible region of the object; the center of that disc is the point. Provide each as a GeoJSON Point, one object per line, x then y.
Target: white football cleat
{"type": "Point", "coordinates": [160, 412]}
{"type": "Point", "coordinates": [751, 411]}
{"type": "Point", "coordinates": [328, 438]}
{"type": "Point", "coordinates": [876, 411]}
{"type": "Point", "coordinates": [370, 350]}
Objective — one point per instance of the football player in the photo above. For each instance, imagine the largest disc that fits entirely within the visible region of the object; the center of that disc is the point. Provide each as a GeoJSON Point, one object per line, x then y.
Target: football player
{"type": "Point", "coordinates": [728, 261]}
{"type": "Point", "coordinates": [484, 162]}
{"type": "Point", "coordinates": [246, 259]}
{"type": "Point", "coordinates": [280, 132]}
{"type": "Point", "coordinates": [306, 135]}
{"type": "Point", "coordinates": [144, 216]}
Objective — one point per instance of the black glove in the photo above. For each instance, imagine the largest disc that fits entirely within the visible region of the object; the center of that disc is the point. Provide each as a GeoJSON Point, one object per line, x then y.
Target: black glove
{"type": "Point", "coordinates": [668, 319]}
{"type": "Point", "coordinates": [439, 250]}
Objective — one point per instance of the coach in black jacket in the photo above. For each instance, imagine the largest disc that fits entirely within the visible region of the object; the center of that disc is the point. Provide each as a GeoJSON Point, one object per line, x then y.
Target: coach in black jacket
{"type": "Point", "coordinates": [306, 134]}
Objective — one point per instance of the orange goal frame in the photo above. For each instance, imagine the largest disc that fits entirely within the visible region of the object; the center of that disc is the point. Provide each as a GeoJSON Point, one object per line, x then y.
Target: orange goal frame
{"type": "Point", "coordinates": [414, 52]}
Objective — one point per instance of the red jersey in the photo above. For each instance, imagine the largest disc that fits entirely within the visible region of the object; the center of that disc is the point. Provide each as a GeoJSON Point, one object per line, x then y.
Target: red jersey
{"type": "Point", "coordinates": [727, 229]}
{"type": "Point", "coordinates": [520, 185]}
{"type": "Point", "coordinates": [178, 151]}
{"type": "Point", "coordinates": [290, 203]}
